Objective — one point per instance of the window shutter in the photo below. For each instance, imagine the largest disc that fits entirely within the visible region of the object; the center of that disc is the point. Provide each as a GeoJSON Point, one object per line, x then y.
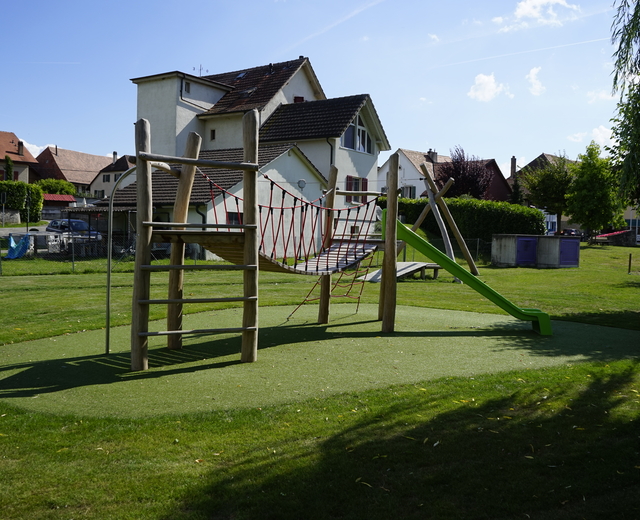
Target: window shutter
{"type": "Point", "coordinates": [364, 183]}
{"type": "Point", "coordinates": [349, 186]}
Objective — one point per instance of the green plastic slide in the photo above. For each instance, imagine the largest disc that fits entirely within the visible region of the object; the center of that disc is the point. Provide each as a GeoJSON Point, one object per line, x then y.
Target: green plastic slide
{"type": "Point", "coordinates": [540, 320]}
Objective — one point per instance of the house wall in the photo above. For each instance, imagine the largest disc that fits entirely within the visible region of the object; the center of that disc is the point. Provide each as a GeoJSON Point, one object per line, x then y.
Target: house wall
{"type": "Point", "coordinates": [408, 175]}
{"type": "Point", "coordinates": [172, 115]}
{"type": "Point", "coordinates": [298, 86]}
{"type": "Point", "coordinates": [228, 132]}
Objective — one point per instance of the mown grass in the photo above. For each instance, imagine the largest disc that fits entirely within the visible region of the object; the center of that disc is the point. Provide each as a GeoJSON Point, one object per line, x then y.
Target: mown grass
{"type": "Point", "coordinates": [553, 443]}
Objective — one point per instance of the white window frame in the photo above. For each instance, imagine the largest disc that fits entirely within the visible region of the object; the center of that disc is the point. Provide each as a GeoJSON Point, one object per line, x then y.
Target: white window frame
{"type": "Point", "coordinates": [356, 137]}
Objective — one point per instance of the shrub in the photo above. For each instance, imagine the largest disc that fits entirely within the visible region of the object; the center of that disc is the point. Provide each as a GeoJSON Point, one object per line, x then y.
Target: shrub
{"type": "Point", "coordinates": [17, 196]}
{"type": "Point", "coordinates": [477, 218]}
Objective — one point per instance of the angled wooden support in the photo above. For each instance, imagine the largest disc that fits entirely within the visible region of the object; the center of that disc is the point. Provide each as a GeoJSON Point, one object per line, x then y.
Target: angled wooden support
{"type": "Point", "coordinates": [452, 224]}
{"type": "Point", "coordinates": [180, 214]}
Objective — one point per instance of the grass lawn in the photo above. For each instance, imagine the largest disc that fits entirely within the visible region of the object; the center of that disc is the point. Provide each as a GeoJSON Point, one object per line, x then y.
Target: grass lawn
{"type": "Point", "coordinates": [456, 415]}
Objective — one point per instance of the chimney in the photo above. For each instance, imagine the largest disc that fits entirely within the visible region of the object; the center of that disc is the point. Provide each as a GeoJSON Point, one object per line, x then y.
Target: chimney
{"type": "Point", "coordinates": [20, 148]}
{"type": "Point", "coordinates": [115, 157]}
{"type": "Point", "coordinates": [433, 155]}
{"type": "Point", "coordinates": [56, 149]}
{"type": "Point", "coordinates": [513, 167]}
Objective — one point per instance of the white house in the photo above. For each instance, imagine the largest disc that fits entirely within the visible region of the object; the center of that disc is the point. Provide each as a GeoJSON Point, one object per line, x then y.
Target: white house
{"type": "Point", "coordinates": [410, 176]}
{"type": "Point", "coordinates": [292, 108]}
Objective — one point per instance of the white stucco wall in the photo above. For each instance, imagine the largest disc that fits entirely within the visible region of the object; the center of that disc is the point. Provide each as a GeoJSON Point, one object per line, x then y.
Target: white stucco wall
{"type": "Point", "coordinates": [408, 175]}
{"type": "Point", "coordinates": [228, 132]}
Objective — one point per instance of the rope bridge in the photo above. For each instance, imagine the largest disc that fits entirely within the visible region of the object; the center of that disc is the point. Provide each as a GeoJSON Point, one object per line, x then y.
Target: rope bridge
{"type": "Point", "coordinates": [295, 235]}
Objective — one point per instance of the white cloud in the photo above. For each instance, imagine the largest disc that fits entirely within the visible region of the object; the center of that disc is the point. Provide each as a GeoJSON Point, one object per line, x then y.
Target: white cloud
{"type": "Point", "coordinates": [541, 12]}
{"type": "Point", "coordinates": [577, 138]}
{"type": "Point", "coordinates": [601, 95]}
{"type": "Point", "coordinates": [35, 149]}
{"type": "Point", "coordinates": [602, 136]}
{"type": "Point", "coordinates": [497, 19]}
{"type": "Point", "coordinates": [434, 37]}
{"type": "Point", "coordinates": [486, 88]}
{"type": "Point", "coordinates": [536, 87]}
{"type": "Point", "coordinates": [364, 39]}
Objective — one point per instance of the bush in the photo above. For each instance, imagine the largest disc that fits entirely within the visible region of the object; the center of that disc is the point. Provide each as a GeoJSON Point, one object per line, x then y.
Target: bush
{"type": "Point", "coordinates": [16, 199]}
{"type": "Point", "coordinates": [477, 218]}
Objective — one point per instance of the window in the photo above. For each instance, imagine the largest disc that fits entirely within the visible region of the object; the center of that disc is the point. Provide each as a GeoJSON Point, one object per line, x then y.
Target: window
{"type": "Point", "coordinates": [116, 176]}
{"type": "Point", "coordinates": [98, 194]}
{"type": "Point", "coordinates": [234, 217]}
{"type": "Point", "coordinates": [356, 137]}
{"type": "Point", "coordinates": [356, 184]}
{"type": "Point", "coordinates": [106, 177]}
{"type": "Point", "coordinates": [212, 134]}
{"type": "Point", "coordinates": [408, 192]}
{"type": "Point", "coordinates": [187, 87]}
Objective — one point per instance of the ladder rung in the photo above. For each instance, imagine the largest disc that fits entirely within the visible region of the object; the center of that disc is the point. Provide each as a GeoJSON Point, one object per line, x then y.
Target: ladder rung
{"type": "Point", "coordinates": [200, 226]}
{"type": "Point", "coordinates": [221, 267]}
{"type": "Point", "coordinates": [196, 331]}
{"type": "Point", "coordinates": [199, 300]}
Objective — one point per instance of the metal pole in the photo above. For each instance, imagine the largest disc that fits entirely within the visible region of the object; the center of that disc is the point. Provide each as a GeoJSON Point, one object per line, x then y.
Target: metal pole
{"type": "Point", "coordinates": [109, 254]}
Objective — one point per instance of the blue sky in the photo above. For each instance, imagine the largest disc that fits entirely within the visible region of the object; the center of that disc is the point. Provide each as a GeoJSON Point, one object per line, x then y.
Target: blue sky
{"type": "Point", "coordinates": [499, 78]}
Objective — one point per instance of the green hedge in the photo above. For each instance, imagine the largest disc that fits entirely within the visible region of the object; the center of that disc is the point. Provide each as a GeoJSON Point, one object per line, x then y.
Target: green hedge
{"type": "Point", "coordinates": [16, 198]}
{"type": "Point", "coordinates": [477, 218]}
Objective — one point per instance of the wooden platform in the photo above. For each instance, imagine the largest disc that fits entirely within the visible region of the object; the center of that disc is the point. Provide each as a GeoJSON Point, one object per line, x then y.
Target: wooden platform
{"type": "Point", "coordinates": [404, 269]}
{"type": "Point", "coordinates": [229, 246]}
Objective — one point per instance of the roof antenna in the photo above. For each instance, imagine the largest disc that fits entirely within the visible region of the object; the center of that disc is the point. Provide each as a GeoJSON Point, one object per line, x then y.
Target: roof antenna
{"type": "Point", "coordinates": [200, 70]}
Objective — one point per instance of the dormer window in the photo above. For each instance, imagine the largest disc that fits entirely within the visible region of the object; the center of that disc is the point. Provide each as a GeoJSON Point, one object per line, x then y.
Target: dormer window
{"type": "Point", "coordinates": [356, 137]}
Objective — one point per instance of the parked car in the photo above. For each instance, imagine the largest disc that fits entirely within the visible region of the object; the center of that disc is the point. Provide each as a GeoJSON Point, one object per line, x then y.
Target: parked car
{"type": "Point", "coordinates": [76, 229]}
{"type": "Point", "coordinates": [569, 232]}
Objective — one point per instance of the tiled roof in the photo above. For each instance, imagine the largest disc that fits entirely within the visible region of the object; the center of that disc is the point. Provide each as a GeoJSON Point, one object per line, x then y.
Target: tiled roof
{"type": "Point", "coordinates": [9, 147]}
{"type": "Point", "coordinates": [417, 158]}
{"type": "Point", "coordinates": [121, 165]}
{"type": "Point", "coordinates": [165, 185]}
{"type": "Point", "coordinates": [55, 197]}
{"type": "Point", "coordinates": [77, 167]}
{"type": "Point", "coordinates": [253, 88]}
{"type": "Point", "coordinates": [312, 119]}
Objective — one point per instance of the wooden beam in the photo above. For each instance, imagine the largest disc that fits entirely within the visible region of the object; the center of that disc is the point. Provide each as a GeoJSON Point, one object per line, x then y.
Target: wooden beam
{"type": "Point", "coordinates": [325, 279]}
{"type": "Point", "coordinates": [249, 350]}
{"type": "Point", "coordinates": [141, 278]}
{"type": "Point", "coordinates": [180, 214]}
{"type": "Point", "coordinates": [388, 286]}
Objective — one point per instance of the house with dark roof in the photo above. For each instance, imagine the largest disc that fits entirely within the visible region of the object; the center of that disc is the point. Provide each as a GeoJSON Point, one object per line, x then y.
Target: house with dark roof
{"type": "Point", "coordinates": [293, 110]}
{"type": "Point", "coordinates": [103, 183]}
{"type": "Point", "coordinates": [411, 178]}
{"type": "Point", "coordinates": [23, 161]}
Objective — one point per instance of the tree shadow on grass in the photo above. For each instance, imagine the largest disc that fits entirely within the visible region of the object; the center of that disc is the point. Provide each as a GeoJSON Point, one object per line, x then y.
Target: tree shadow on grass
{"type": "Point", "coordinates": [524, 451]}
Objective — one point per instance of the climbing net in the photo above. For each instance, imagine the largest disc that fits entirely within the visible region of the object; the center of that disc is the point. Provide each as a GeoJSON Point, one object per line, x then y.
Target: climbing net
{"type": "Point", "coordinates": [301, 234]}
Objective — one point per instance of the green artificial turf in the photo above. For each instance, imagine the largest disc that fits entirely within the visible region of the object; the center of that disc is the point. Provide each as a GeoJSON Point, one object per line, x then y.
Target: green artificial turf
{"type": "Point", "coordinates": [297, 359]}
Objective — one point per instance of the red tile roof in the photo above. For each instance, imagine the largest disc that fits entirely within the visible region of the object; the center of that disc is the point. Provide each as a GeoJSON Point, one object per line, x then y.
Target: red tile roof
{"type": "Point", "coordinates": [9, 146]}
{"type": "Point", "coordinates": [54, 197]}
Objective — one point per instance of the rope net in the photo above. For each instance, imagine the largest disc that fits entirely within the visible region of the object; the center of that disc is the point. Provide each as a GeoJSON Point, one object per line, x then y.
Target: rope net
{"type": "Point", "coordinates": [300, 235]}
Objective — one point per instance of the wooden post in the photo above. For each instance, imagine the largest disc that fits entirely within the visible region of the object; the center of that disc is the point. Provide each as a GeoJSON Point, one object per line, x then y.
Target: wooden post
{"type": "Point", "coordinates": [180, 214]}
{"type": "Point", "coordinates": [140, 313]}
{"type": "Point", "coordinates": [251, 239]}
{"type": "Point", "coordinates": [388, 285]}
{"type": "Point", "coordinates": [325, 279]}
{"type": "Point", "coordinates": [431, 190]}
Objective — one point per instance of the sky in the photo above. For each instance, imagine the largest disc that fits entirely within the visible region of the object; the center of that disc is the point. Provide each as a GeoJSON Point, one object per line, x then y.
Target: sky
{"type": "Point", "coordinates": [499, 78]}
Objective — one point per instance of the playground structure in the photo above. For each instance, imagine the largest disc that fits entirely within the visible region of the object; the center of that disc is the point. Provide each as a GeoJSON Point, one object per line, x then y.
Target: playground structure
{"type": "Point", "coordinates": [294, 236]}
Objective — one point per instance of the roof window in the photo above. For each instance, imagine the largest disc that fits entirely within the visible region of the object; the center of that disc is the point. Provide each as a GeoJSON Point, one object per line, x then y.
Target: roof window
{"type": "Point", "coordinates": [241, 75]}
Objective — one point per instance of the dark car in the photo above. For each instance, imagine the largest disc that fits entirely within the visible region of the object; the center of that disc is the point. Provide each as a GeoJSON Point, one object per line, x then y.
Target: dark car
{"type": "Point", "coordinates": [569, 232]}
{"type": "Point", "coordinates": [77, 229]}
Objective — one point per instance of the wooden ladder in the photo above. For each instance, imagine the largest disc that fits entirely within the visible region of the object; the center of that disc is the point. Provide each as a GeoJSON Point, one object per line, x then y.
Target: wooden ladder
{"type": "Point", "coordinates": [145, 232]}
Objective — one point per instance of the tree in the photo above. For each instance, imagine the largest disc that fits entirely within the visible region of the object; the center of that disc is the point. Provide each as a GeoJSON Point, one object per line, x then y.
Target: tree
{"type": "Point", "coordinates": [470, 175]}
{"type": "Point", "coordinates": [594, 197]}
{"type": "Point", "coordinates": [626, 125]}
{"type": "Point", "coordinates": [8, 168]}
{"type": "Point", "coordinates": [517, 196]}
{"type": "Point", "coordinates": [57, 186]}
{"type": "Point", "coordinates": [548, 185]}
